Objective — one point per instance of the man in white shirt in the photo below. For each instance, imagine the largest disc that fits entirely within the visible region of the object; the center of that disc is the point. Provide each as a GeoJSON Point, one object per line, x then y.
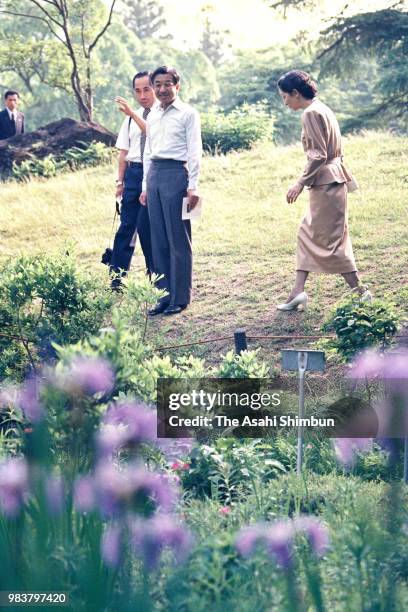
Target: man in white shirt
{"type": "Point", "coordinates": [134, 217]}
{"type": "Point", "coordinates": [11, 119]}
{"type": "Point", "coordinates": [171, 170]}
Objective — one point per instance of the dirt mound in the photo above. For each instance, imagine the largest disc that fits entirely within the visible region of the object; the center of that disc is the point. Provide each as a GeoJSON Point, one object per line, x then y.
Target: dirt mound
{"type": "Point", "coordinates": [54, 138]}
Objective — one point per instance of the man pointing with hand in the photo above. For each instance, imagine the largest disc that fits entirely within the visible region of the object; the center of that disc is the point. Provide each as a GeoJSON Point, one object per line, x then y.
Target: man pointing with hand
{"type": "Point", "coordinates": [133, 217]}
{"type": "Point", "coordinates": [170, 172]}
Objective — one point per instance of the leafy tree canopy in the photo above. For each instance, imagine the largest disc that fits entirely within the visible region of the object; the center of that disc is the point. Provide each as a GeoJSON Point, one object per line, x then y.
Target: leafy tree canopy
{"type": "Point", "coordinates": [76, 26]}
{"type": "Point", "coordinates": [145, 18]}
{"type": "Point", "coordinates": [380, 37]}
{"type": "Point", "coordinates": [381, 34]}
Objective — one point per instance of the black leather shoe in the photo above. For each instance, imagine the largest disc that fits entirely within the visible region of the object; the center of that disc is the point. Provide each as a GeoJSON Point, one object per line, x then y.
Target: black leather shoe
{"type": "Point", "coordinates": [175, 309]}
{"type": "Point", "coordinates": [117, 287]}
{"type": "Point", "coordinates": [158, 309]}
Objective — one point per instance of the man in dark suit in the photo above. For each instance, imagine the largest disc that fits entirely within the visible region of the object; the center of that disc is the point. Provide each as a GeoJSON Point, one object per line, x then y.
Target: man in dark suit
{"type": "Point", "coordinates": [11, 120]}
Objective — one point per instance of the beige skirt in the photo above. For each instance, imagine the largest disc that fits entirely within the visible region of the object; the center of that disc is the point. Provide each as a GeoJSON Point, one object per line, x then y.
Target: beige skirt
{"type": "Point", "coordinates": [323, 241]}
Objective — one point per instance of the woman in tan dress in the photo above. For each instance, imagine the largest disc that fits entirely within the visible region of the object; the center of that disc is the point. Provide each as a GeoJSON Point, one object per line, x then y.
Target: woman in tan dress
{"type": "Point", "coordinates": [323, 241]}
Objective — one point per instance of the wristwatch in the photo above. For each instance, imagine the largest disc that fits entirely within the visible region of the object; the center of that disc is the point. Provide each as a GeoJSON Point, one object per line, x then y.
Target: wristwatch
{"type": "Point", "coordinates": [118, 183]}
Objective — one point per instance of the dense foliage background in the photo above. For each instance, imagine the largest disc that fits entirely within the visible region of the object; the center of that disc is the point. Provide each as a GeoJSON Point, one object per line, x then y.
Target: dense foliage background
{"type": "Point", "coordinates": [358, 60]}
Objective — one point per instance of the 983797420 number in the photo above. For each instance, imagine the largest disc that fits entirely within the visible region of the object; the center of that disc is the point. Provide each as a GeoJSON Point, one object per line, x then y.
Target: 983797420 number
{"type": "Point", "coordinates": [23, 598]}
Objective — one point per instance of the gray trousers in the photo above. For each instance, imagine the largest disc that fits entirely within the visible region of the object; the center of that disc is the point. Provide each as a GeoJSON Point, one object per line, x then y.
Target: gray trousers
{"type": "Point", "coordinates": [171, 236]}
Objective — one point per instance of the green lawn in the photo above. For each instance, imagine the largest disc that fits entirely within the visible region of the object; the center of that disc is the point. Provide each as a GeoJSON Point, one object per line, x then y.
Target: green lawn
{"type": "Point", "coordinates": [244, 246]}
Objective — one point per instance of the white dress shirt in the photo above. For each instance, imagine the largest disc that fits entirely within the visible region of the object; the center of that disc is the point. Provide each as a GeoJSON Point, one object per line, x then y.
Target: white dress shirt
{"type": "Point", "coordinates": [12, 114]}
{"type": "Point", "coordinates": [129, 138]}
{"type": "Point", "coordinates": [174, 133]}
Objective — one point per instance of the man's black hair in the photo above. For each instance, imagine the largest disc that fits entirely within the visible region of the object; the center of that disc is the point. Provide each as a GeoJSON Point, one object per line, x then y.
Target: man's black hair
{"type": "Point", "coordinates": [139, 75]}
{"type": "Point", "coordinates": [11, 92]}
{"type": "Point", "coordinates": [166, 70]}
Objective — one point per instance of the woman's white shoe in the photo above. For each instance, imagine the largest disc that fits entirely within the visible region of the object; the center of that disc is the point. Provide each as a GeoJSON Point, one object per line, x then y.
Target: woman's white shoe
{"type": "Point", "coordinates": [366, 296]}
{"type": "Point", "coordinates": [363, 294]}
{"type": "Point", "coordinates": [298, 300]}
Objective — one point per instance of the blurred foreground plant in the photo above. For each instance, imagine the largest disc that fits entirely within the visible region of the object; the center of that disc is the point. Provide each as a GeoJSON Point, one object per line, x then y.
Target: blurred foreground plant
{"type": "Point", "coordinates": [392, 370]}
{"type": "Point", "coordinates": [278, 539]}
{"type": "Point", "coordinates": [94, 514]}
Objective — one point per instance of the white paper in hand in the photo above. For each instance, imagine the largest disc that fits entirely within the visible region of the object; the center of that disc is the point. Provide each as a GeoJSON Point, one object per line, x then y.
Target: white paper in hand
{"type": "Point", "coordinates": [192, 214]}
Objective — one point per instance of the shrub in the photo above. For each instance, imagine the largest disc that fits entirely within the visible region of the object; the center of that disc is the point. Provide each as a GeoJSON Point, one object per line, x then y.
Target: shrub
{"type": "Point", "coordinates": [72, 159]}
{"type": "Point", "coordinates": [88, 155]}
{"type": "Point", "coordinates": [359, 325]}
{"type": "Point", "coordinates": [47, 167]}
{"type": "Point", "coordinates": [46, 299]}
{"type": "Point", "coordinates": [230, 466]}
{"type": "Point", "coordinates": [99, 533]}
{"type": "Point", "coordinates": [239, 129]}
{"type": "Point", "coordinates": [136, 368]}
{"type": "Point", "coordinates": [245, 365]}
{"type": "Point", "coordinates": [373, 465]}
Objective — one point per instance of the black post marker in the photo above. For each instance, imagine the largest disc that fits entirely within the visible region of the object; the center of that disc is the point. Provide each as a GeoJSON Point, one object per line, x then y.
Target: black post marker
{"type": "Point", "coordinates": [240, 341]}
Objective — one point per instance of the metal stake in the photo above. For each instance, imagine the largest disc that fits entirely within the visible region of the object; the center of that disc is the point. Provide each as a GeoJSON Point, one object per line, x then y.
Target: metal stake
{"type": "Point", "coordinates": [302, 365]}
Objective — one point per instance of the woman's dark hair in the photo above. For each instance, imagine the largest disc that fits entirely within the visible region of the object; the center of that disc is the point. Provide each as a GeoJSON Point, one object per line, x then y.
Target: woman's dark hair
{"type": "Point", "coordinates": [299, 80]}
{"type": "Point", "coordinates": [166, 70]}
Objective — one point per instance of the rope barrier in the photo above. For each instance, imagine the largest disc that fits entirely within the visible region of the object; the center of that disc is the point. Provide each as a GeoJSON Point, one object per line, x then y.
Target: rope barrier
{"type": "Point", "coordinates": [218, 339]}
{"type": "Point", "coordinates": [174, 346]}
{"type": "Point", "coordinates": [21, 338]}
{"type": "Point", "coordinates": [272, 337]}
{"type": "Point", "coordinates": [296, 337]}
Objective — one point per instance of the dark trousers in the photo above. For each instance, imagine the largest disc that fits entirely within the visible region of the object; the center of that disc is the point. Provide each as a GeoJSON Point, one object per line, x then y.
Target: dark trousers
{"type": "Point", "coordinates": [133, 217]}
{"type": "Point", "coordinates": [171, 236]}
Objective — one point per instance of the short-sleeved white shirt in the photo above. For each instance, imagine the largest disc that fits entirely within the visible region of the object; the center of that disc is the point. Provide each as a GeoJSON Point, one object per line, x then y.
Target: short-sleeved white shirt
{"type": "Point", "coordinates": [129, 138]}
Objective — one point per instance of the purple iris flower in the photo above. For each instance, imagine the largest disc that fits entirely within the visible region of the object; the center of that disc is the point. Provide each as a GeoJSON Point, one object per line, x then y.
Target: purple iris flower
{"type": "Point", "coordinates": [111, 545]}
{"type": "Point", "coordinates": [84, 494]}
{"type": "Point", "coordinates": [115, 491]}
{"type": "Point", "coordinates": [54, 493]}
{"type": "Point", "coordinates": [279, 542]}
{"type": "Point", "coordinates": [388, 366]}
{"type": "Point", "coordinates": [176, 448]}
{"type": "Point", "coordinates": [25, 397]}
{"type": "Point", "coordinates": [278, 538]}
{"type": "Point", "coordinates": [315, 531]}
{"type": "Point", "coordinates": [14, 487]}
{"type": "Point", "coordinates": [150, 537]}
{"type": "Point", "coordinates": [248, 538]}
{"type": "Point", "coordinates": [126, 425]}
{"type": "Point", "coordinates": [392, 369]}
{"type": "Point", "coordinates": [346, 449]}
{"type": "Point", "coordinates": [87, 376]}
{"type": "Point", "coordinates": [29, 400]}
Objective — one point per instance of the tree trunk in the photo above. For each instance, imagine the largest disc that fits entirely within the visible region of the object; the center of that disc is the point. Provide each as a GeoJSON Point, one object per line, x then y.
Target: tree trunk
{"type": "Point", "coordinates": [88, 89]}
{"type": "Point", "coordinates": [84, 108]}
{"type": "Point", "coordinates": [85, 113]}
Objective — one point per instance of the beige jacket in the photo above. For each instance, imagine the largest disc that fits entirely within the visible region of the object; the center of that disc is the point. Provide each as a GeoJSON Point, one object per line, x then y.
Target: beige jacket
{"type": "Point", "coordinates": [321, 140]}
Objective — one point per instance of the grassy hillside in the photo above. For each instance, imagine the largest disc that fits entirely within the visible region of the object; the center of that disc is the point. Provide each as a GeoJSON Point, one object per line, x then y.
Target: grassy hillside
{"type": "Point", "coordinates": [244, 245]}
